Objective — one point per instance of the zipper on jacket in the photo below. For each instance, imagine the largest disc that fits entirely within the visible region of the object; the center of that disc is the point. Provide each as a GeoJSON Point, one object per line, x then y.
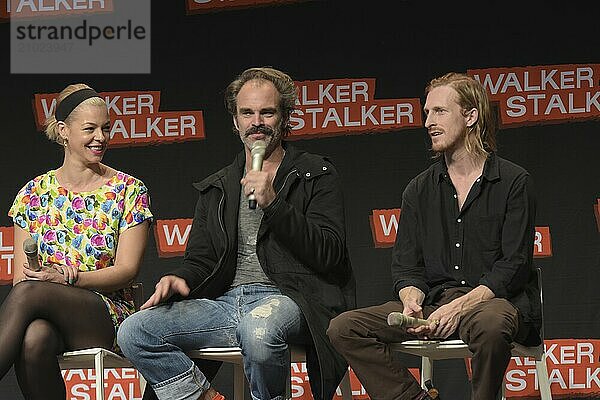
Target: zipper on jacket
{"type": "Point", "coordinates": [295, 170]}
{"type": "Point", "coordinates": [286, 179]}
{"type": "Point", "coordinates": [222, 224]}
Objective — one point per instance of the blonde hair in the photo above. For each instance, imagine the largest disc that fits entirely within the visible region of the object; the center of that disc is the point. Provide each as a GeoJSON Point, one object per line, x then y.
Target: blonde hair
{"type": "Point", "coordinates": [481, 136]}
{"type": "Point", "coordinates": [51, 124]}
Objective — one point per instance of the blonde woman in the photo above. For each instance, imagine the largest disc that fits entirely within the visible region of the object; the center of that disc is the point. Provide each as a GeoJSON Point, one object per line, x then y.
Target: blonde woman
{"type": "Point", "coordinates": [90, 223]}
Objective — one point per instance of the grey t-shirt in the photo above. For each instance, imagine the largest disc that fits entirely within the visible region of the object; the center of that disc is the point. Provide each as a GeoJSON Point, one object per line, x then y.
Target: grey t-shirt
{"type": "Point", "coordinates": [248, 268]}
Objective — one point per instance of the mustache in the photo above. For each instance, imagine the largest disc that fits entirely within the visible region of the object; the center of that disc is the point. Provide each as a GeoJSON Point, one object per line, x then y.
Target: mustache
{"type": "Point", "coordinates": [264, 129]}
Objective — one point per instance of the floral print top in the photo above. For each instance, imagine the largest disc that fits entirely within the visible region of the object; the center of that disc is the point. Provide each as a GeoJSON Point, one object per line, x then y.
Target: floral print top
{"type": "Point", "coordinates": [82, 229]}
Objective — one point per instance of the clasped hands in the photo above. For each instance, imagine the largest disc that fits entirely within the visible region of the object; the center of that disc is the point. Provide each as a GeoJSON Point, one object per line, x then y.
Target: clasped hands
{"type": "Point", "coordinates": [443, 321]}
{"type": "Point", "coordinates": [56, 273]}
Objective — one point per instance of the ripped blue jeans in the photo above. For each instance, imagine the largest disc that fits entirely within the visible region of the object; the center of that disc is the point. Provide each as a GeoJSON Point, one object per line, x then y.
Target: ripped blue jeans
{"type": "Point", "coordinates": [255, 317]}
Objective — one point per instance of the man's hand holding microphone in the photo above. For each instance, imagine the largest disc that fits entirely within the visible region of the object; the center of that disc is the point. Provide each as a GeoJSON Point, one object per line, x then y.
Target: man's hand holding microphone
{"type": "Point", "coordinates": [258, 184]}
{"type": "Point", "coordinates": [411, 318]}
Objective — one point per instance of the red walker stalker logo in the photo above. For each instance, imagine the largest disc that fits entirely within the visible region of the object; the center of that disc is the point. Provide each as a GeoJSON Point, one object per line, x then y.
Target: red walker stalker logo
{"type": "Point", "coordinates": [572, 367]}
{"type": "Point", "coordinates": [384, 227]}
{"type": "Point", "coordinates": [543, 94]}
{"type": "Point", "coordinates": [6, 255]}
{"type": "Point", "coordinates": [135, 119]}
{"type": "Point", "coordinates": [597, 213]}
{"type": "Point", "coordinates": [119, 384]}
{"type": "Point", "coordinates": [344, 106]}
{"type": "Point", "coordinates": [202, 6]}
{"type": "Point", "coordinates": [542, 243]}
{"type": "Point", "coordinates": [301, 386]}
{"type": "Point", "coordinates": [171, 236]}
{"type": "Point", "coordinates": [573, 371]}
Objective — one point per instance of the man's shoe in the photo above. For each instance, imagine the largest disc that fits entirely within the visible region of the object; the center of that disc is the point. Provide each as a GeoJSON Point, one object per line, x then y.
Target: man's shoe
{"type": "Point", "coordinates": [430, 394]}
{"type": "Point", "coordinates": [215, 396]}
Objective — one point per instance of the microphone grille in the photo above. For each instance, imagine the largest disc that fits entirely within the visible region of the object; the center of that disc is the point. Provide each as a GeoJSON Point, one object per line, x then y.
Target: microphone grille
{"type": "Point", "coordinates": [258, 147]}
{"type": "Point", "coordinates": [30, 246]}
{"type": "Point", "coordinates": [396, 319]}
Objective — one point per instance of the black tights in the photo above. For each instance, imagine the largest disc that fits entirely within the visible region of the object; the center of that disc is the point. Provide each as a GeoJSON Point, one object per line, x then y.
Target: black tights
{"type": "Point", "coordinates": [38, 321]}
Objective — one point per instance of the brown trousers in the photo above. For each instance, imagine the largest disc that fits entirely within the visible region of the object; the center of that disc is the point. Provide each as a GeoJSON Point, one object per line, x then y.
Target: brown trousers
{"type": "Point", "coordinates": [361, 336]}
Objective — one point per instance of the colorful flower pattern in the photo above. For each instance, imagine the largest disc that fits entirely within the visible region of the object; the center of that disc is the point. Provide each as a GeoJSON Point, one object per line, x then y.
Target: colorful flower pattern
{"type": "Point", "coordinates": [82, 228]}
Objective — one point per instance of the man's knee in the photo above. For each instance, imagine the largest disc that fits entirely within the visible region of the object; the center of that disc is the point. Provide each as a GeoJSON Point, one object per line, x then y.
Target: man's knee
{"type": "Point", "coordinates": [129, 331]}
{"type": "Point", "coordinates": [260, 344]}
{"type": "Point", "coordinates": [339, 329]}
{"type": "Point", "coordinates": [489, 330]}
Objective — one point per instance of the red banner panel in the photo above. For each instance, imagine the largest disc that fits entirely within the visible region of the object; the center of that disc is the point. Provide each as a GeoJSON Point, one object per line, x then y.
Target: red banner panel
{"type": "Point", "coordinates": [135, 119]}
{"type": "Point", "coordinates": [6, 255]}
{"type": "Point", "coordinates": [171, 236]}
{"type": "Point", "coordinates": [542, 244]}
{"type": "Point", "coordinates": [597, 213]}
{"type": "Point", "coordinates": [345, 106]}
{"type": "Point", "coordinates": [301, 386]}
{"type": "Point", "coordinates": [119, 384]}
{"type": "Point", "coordinates": [573, 369]}
{"type": "Point", "coordinates": [384, 226]}
{"type": "Point", "coordinates": [203, 6]}
{"type": "Point", "coordinates": [543, 94]}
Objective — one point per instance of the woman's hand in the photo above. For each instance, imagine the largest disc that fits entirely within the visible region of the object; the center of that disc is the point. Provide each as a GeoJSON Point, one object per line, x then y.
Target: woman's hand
{"type": "Point", "coordinates": [55, 273]}
{"type": "Point", "coordinates": [47, 274]}
{"type": "Point", "coordinates": [70, 274]}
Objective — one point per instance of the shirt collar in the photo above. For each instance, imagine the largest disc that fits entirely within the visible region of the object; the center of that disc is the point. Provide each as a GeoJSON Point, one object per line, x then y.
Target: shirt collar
{"type": "Point", "coordinates": [491, 172]}
{"type": "Point", "coordinates": [441, 169]}
{"type": "Point", "coordinates": [490, 168]}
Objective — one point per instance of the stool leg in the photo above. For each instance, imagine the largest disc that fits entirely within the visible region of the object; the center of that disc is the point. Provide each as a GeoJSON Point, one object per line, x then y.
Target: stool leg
{"type": "Point", "coordinates": [543, 379]}
{"type": "Point", "coordinates": [99, 366]}
{"type": "Point", "coordinates": [142, 384]}
{"type": "Point", "coordinates": [345, 386]}
{"type": "Point", "coordinates": [239, 382]}
{"type": "Point", "coordinates": [426, 370]}
{"type": "Point", "coordinates": [288, 384]}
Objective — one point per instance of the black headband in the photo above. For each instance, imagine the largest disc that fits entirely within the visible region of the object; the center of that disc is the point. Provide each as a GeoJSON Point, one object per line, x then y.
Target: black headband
{"type": "Point", "coordinates": [68, 104]}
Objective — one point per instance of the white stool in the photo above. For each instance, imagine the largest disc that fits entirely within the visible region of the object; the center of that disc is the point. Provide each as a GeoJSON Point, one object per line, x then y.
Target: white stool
{"type": "Point", "coordinates": [233, 355]}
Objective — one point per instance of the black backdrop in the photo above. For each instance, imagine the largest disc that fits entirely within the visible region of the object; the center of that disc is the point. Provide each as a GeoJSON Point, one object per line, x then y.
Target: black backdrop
{"type": "Point", "coordinates": [194, 57]}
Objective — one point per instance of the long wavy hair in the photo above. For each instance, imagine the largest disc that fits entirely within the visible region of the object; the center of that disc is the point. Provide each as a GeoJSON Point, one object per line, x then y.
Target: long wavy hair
{"type": "Point", "coordinates": [481, 136]}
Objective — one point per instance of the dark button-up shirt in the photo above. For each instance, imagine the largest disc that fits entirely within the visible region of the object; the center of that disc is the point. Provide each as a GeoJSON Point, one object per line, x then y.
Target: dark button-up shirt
{"type": "Point", "coordinates": [487, 242]}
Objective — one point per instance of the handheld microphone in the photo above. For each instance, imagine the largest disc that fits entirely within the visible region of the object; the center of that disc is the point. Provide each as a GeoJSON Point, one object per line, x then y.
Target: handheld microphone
{"type": "Point", "coordinates": [31, 251]}
{"type": "Point", "coordinates": [404, 321]}
{"type": "Point", "coordinates": [258, 154]}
